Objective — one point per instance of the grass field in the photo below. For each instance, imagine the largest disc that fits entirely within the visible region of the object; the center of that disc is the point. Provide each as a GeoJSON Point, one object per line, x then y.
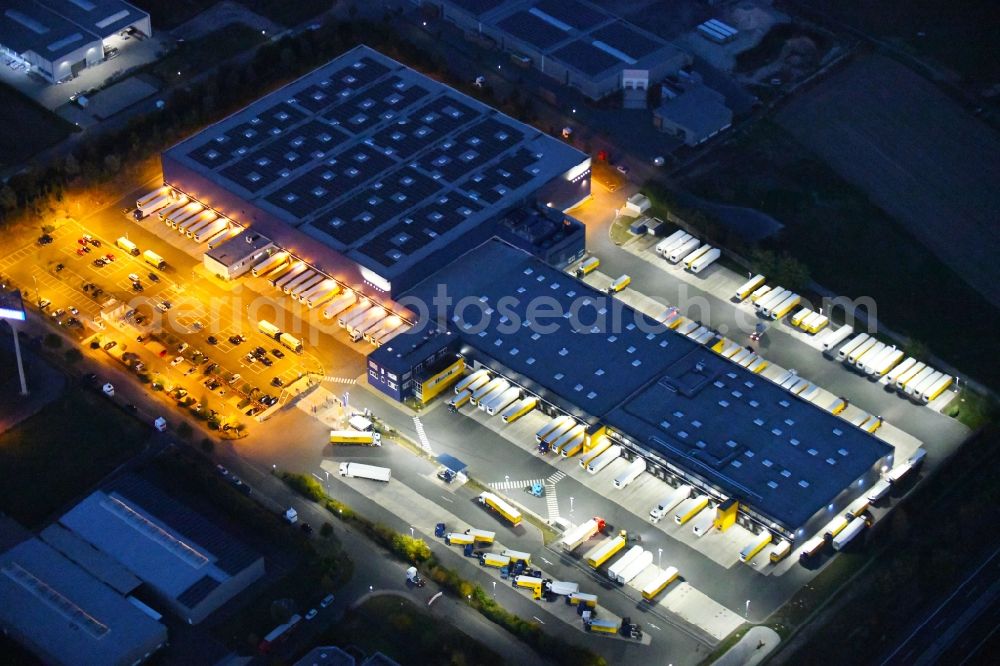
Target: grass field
{"type": "Point", "coordinates": [916, 153]}
{"type": "Point", "coordinates": [26, 128]}
{"type": "Point", "coordinates": [62, 451]}
{"type": "Point", "coordinates": [853, 247]}
{"type": "Point", "coordinates": [400, 630]}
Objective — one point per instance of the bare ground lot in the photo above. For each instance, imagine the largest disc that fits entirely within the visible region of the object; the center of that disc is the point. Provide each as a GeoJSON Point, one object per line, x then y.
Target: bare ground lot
{"type": "Point", "coordinates": [916, 153]}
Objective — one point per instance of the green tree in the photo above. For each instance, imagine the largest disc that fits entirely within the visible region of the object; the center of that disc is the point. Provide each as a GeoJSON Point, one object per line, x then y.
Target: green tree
{"type": "Point", "coordinates": [53, 341]}
{"type": "Point", "coordinates": [73, 355]}
{"type": "Point", "coordinates": [71, 166]}
{"type": "Point", "coordinates": [326, 531]}
{"type": "Point", "coordinates": [184, 430]}
{"type": "Point", "coordinates": [112, 163]}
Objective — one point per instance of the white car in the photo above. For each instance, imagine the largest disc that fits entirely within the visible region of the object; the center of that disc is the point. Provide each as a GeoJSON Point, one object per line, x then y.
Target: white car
{"type": "Point", "coordinates": [311, 614]}
{"type": "Point", "coordinates": [182, 347]}
{"type": "Point", "coordinates": [74, 310]}
{"type": "Point", "coordinates": [177, 361]}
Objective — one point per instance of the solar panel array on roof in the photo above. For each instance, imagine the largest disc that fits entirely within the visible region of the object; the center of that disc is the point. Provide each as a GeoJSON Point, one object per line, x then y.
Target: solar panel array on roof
{"type": "Point", "coordinates": [576, 14]}
{"type": "Point", "coordinates": [625, 38]}
{"type": "Point", "coordinates": [534, 30]}
{"type": "Point", "coordinates": [586, 57]}
{"type": "Point", "coordinates": [365, 156]}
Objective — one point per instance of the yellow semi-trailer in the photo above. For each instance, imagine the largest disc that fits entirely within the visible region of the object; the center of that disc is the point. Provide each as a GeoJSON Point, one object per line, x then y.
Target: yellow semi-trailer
{"type": "Point", "coordinates": [459, 539]}
{"type": "Point", "coordinates": [519, 409]}
{"type": "Point", "coordinates": [574, 537]}
{"type": "Point", "coordinates": [604, 459]}
{"type": "Point", "coordinates": [290, 342]}
{"type": "Point", "coordinates": [837, 406]}
{"type": "Point", "coordinates": [749, 287]}
{"type": "Point", "coordinates": [618, 284]}
{"type": "Point", "coordinates": [197, 222]}
{"type": "Point", "coordinates": [758, 366]}
{"type": "Point", "coordinates": [211, 230]}
{"type": "Point", "coordinates": [852, 344]}
{"type": "Point", "coordinates": [604, 551]}
{"type": "Point", "coordinates": [873, 359]}
{"type": "Point", "coordinates": [501, 507]}
{"type": "Point", "coordinates": [937, 388]}
{"type": "Point", "coordinates": [355, 437]}
{"type": "Point", "coordinates": [568, 437]}
{"type": "Point", "coordinates": [308, 285]}
{"type": "Point", "coordinates": [324, 292]}
{"type": "Point", "coordinates": [304, 278]}
{"type": "Point", "coordinates": [759, 293]}
{"type": "Point", "coordinates": [812, 548]}
{"type": "Point", "coordinates": [179, 203]}
{"type": "Point", "coordinates": [297, 268]}
{"type": "Point", "coordinates": [835, 527]}
{"type": "Point", "coordinates": [690, 508]}
{"type": "Point", "coordinates": [741, 355]}
{"type": "Point", "coordinates": [686, 326]}
{"type": "Point", "coordinates": [800, 316]}
{"type": "Point", "coordinates": [549, 426]}
{"type": "Point", "coordinates": [152, 196]}
{"type": "Point", "coordinates": [785, 306]}
{"type": "Point", "coordinates": [751, 549]}
{"type": "Point", "coordinates": [860, 350]}
{"type": "Point", "coordinates": [574, 446]}
{"type": "Point", "coordinates": [667, 244]}
{"type": "Point", "coordinates": [268, 329]}
{"type": "Point", "coordinates": [494, 388]}
{"type": "Point", "coordinates": [460, 400]}
{"type": "Point", "coordinates": [339, 304]}
{"type": "Point", "coordinates": [517, 556]}
{"type": "Point", "coordinates": [532, 583]}
{"type": "Point", "coordinates": [887, 363]}
{"type": "Point", "coordinates": [482, 536]}
{"type": "Point", "coordinates": [870, 355]}
{"type": "Point", "coordinates": [858, 506]}
{"type": "Point", "coordinates": [553, 435]}
{"type": "Point", "coordinates": [898, 371]}
{"type": "Point", "coordinates": [780, 551]}
{"type": "Point", "coordinates": [263, 267]}
{"type": "Point", "coordinates": [222, 236]}
{"type": "Point", "coordinates": [772, 297]}
{"type": "Point", "coordinates": [805, 322]}
{"type": "Point", "coordinates": [587, 266]}
{"type": "Point", "coordinates": [667, 504]}
{"type": "Point", "coordinates": [909, 374]}
{"type": "Point", "coordinates": [154, 260]}
{"type": "Point", "coordinates": [913, 382]}
{"type": "Point", "coordinates": [603, 626]}
{"type": "Point", "coordinates": [128, 246]}
{"type": "Point", "coordinates": [818, 324]}
{"type": "Point", "coordinates": [493, 560]}
{"type": "Point", "coordinates": [467, 381]}
{"type": "Point", "coordinates": [355, 314]}
{"type": "Point", "coordinates": [918, 389]}
{"type": "Point", "coordinates": [582, 599]}
{"type": "Point", "coordinates": [280, 272]}
{"type": "Point", "coordinates": [602, 445]}
{"type": "Point", "coordinates": [659, 583]}
{"type": "Point", "coordinates": [192, 209]}
{"type": "Point", "coordinates": [693, 256]}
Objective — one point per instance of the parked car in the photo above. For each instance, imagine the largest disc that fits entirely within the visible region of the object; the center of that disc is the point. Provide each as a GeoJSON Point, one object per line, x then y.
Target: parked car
{"type": "Point", "coordinates": [212, 340]}
{"type": "Point", "coordinates": [278, 353]}
{"type": "Point", "coordinates": [154, 277]}
{"type": "Point", "coordinates": [236, 339]}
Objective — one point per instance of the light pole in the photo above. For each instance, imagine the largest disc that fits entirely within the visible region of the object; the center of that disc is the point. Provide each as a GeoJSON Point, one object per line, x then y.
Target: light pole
{"type": "Point", "coordinates": [746, 613]}
{"type": "Point", "coordinates": [12, 309]}
{"type": "Point", "coordinates": [659, 558]}
{"type": "Point", "coordinates": [494, 589]}
{"type": "Point", "coordinates": [571, 505]}
{"type": "Point", "coordinates": [411, 532]}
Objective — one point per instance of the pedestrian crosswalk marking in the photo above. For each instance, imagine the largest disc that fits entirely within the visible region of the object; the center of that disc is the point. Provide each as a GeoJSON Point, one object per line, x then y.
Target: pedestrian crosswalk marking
{"type": "Point", "coordinates": [425, 443]}
{"type": "Point", "coordinates": [514, 485]}
{"type": "Point", "coordinates": [340, 380]}
{"type": "Point", "coordinates": [556, 477]}
{"type": "Point", "coordinates": [551, 501]}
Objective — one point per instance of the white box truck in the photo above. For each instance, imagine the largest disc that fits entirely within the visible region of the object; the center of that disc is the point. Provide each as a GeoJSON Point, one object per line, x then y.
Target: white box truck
{"type": "Point", "coordinates": [361, 471]}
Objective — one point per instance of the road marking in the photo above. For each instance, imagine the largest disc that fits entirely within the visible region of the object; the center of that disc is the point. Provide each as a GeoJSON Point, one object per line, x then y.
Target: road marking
{"type": "Point", "coordinates": [425, 443]}
{"type": "Point", "coordinates": [551, 501]}
{"type": "Point", "coordinates": [434, 598]}
{"type": "Point", "coordinates": [653, 626]}
{"type": "Point", "coordinates": [340, 380]}
{"type": "Point", "coordinates": [447, 500]}
{"type": "Point", "coordinates": [556, 477]}
{"type": "Point", "coordinates": [544, 560]}
{"type": "Point", "coordinates": [535, 617]}
{"type": "Point", "coordinates": [511, 485]}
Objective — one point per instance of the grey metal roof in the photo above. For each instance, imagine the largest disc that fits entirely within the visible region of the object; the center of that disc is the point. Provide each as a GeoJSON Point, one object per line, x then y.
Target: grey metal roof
{"type": "Point", "coordinates": [28, 26]}
{"type": "Point", "coordinates": [375, 160]}
{"type": "Point", "coordinates": [160, 540]}
{"type": "Point", "coordinates": [701, 412]}
{"type": "Point", "coordinates": [65, 614]}
{"type": "Point", "coordinates": [104, 18]}
{"type": "Point", "coordinates": [238, 248]}
{"type": "Point", "coordinates": [698, 109]}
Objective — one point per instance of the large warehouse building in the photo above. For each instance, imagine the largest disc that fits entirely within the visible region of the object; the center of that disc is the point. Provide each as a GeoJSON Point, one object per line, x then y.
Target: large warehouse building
{"type": "Point", "coordinates": [577, 43]}
{"type": "Point", "coordinates": [693, 415]}
{"type": "Point", "coordinates": [58, 38]}
{"type": "Point", "coordinates": [372, 172]}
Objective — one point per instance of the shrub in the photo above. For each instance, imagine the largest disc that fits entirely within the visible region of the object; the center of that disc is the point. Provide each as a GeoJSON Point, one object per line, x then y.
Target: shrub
{"type": "Point", "coordinates": [73, 355]}
{"type": "Point", "coordinates": [53, 341]}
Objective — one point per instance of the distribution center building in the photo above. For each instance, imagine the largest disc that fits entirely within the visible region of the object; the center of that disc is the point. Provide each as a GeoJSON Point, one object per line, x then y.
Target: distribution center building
{"type": "Point", "coordinates": [693, 415]}
{"type": "Point", "coordinates": [372, 172]}
{"type": "Point", "coordinates": [577, 43]}
{"type": "Point", "coordinates": [57, 38]}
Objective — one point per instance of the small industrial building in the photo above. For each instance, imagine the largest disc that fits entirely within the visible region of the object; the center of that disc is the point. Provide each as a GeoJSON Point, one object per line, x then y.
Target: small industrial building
{"type": "Point", "coordinates": [191, 565]}
{"type": "Point", "coordinates": [62, 612]}
{"type": "Point", "coordinates": [693, 113]}
{"type": "Point", "coordinates": [57, 38]}
{"type": "Point", "coordinates": [371, 172]}
{"type": "Point", "coordinates": [237, 255]}
{"type": "Point", "coordinates": [577, 43]}
{"type": "Point", "coordinates": [695, 417]}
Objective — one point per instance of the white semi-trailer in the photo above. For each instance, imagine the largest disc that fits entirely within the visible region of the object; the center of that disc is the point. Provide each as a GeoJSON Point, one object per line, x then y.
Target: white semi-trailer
{"type": "Point", "coordinates": [306, 285]}
{"type": "Point", "coordinates": [846, 535]}
{"type": "Point", "coordinates": [909, 374]}
{"type": "Point", "coordinates": [361, 471]}
{"type": "Point", "coordinates": [705, 260]}
{"type": "Point", "coordinates": [675, 243]}
{"type": "Point", "coordinates": [853, 344]}
{"type": "Point", "coordinates": [628, 573]}
{"type": "Point", "coordinates": [630, 556]}
{"type": "Point", "coordinates": [339, 304]}
{"type": "Point", "coordinates": [299, 280]}
{"type": "Point", "coordinates": [898, 371]}
{"type": "Point", "coordinates": [860, 350]}
{"type": "Point", "coordinates": [666, 505]}
{"type": "Point", "coordinates": [667, 244]}
{"type": "Point", "coordinates": [631, 473]}
{"type": "Point", "coordinates": [749, 287]}
{"type": "Point", "coordinates": [210, 230]}
{"type": "Point", "coordinates": [835, 337]}
{"type": "Point", "coordinates": [936, 389]}
{"type": "Point", "coordinates": [867, 357]}
{"type": "Point", "coordinates": [911, 384]}
{"type": "Point", "coordinates": [355, 313]}
{"type": "Point", "coordinates": [610, 455]}
{"type": "Point", "coordinates": [297, 269]}
{"type": "Point", "coordinates": [919, 388]}
{"type": "Point", "coordinates": [264, 266]}
{"type": "Point", "coordinates": [773, 296]}
{"type": "Point", "coordinates": [692, 256]}
{"type": "Point", "coordinates": [682, 250]}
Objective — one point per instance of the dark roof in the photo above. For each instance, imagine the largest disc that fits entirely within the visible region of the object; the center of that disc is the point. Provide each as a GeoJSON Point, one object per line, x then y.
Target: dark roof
{"type": "Point", "coordinates": [376, 160]}
{"type": "Point", "coordinates": [409, 348]}
{"type": "Point", "coordinates": [533, 30]}
{"type": "Point", "coordinates": [28, 26]}
{"type": "Point", "coordinates": [737, 430]}
{"type": "Point", "coordinates": [477, 7]}
{"type": "Point", "coordinates": [698, 109]}
{"type": "Point", "coordinates": [586, 57]}
{"type": "Point", "coordinates": [104, 18]}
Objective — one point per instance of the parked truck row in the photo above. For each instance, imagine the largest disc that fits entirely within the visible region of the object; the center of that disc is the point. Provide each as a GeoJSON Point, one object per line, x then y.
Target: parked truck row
{"type": "Point", "coordinates": [681, 246]}
{"type": "Point", "coordinates": [917, 381]}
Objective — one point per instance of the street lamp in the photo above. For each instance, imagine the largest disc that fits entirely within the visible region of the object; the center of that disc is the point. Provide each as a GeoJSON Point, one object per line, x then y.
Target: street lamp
{"type": "Point", "coordinates": [12, 309]}
{"type": "Point", "coordinates": [571, 505]}
{"type": "Point", "coordinates": [411, 532]}
{"type": "Point", "coordinates": [659, 558]}
{"type": "Point", "coordinates": [494, 589]}
{"type": "Point", "coordinates": [746, 613]}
